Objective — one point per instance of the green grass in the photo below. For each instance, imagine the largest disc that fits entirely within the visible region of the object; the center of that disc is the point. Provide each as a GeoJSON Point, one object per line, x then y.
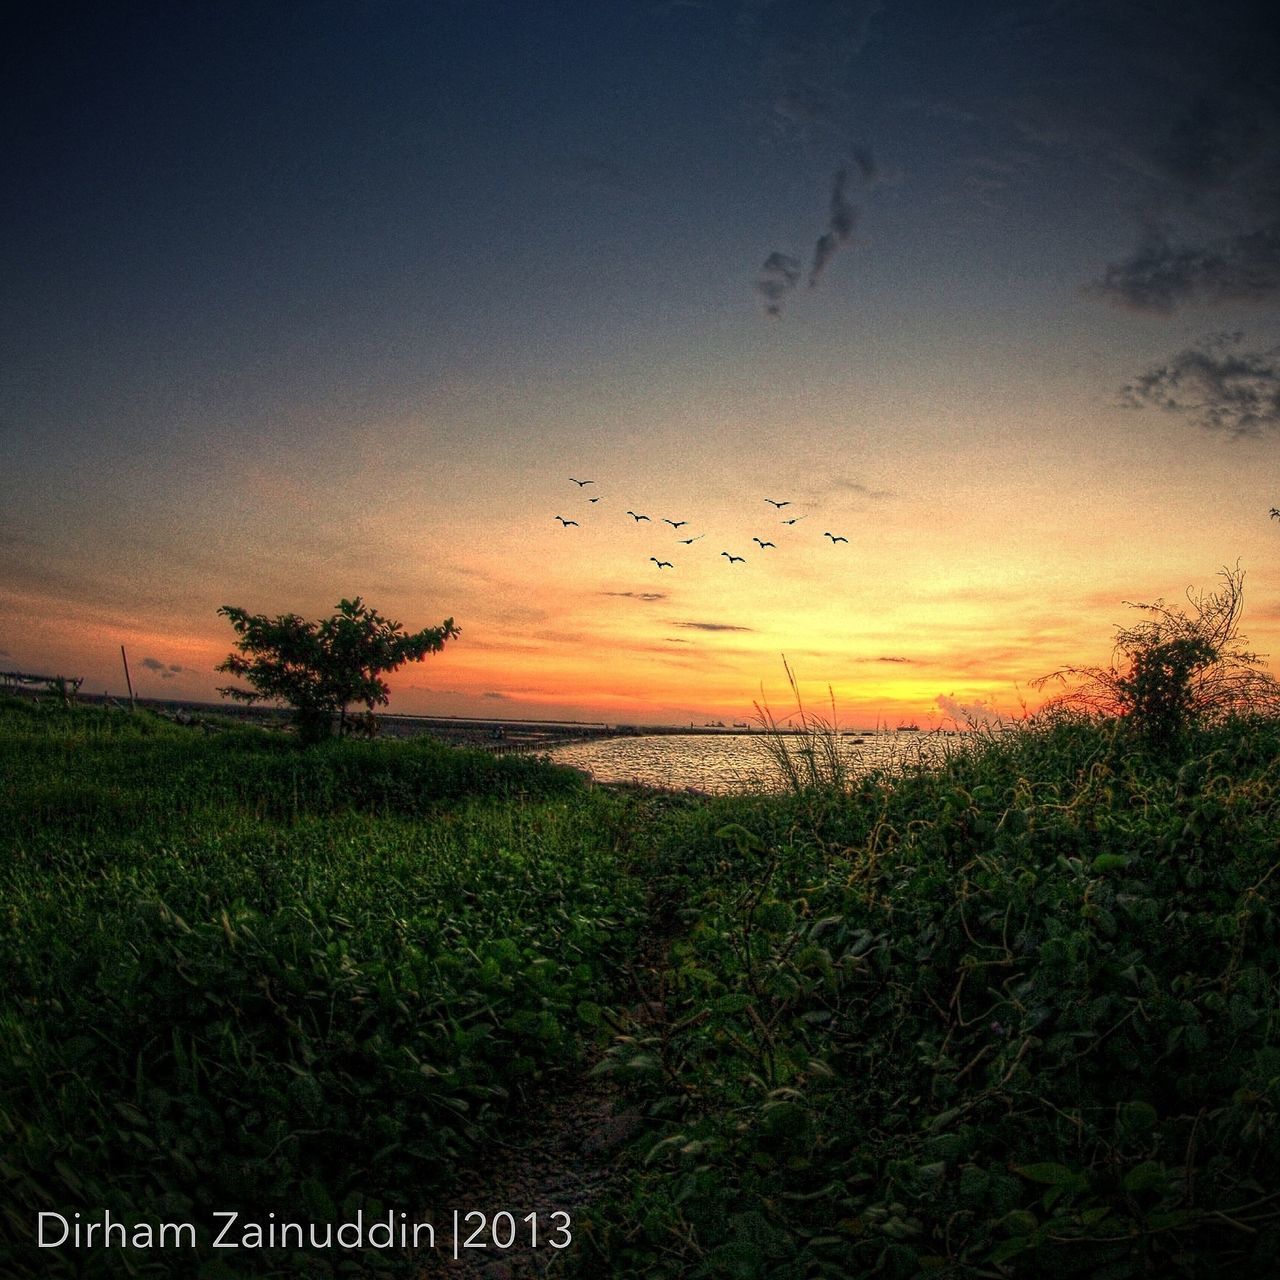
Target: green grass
{"type": "Point", "coordinates": [239, 974]}
{"type": "Point", "coordinates": [1014, 1014]}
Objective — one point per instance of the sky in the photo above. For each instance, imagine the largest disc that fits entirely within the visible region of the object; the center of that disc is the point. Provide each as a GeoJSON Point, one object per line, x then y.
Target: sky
{"type": "Point", "coordinates": [305, 301]}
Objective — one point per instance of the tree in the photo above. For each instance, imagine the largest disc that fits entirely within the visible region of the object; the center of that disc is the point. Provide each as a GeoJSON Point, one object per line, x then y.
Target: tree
{"type": "Point", "coordinates": [322, 668]}
{"type": "Point", "coordinates": [1176, 668]}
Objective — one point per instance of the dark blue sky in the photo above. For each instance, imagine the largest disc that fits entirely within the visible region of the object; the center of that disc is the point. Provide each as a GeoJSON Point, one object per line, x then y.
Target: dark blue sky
{"type": "Point", "coordinates": [340, 245]}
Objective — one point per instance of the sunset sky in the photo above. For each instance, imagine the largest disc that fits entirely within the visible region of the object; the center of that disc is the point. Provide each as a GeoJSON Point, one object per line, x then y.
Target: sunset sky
{"type": "Point", "coordinates": [307, 301]}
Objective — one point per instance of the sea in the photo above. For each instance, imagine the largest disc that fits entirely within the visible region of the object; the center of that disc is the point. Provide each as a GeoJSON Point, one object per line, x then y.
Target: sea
{"type": "Point", "coordinates": [727, 762]}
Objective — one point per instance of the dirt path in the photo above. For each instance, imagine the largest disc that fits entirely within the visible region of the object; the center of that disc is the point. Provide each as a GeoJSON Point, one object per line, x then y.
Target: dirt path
{"type": "Point", "coordinates": [557, 1164]}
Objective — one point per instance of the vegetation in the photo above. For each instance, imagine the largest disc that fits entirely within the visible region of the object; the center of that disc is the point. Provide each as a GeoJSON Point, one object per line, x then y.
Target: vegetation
{"type": "Point", "coordinates": [1013, 1013]}
{"type": "Point", "coordinates": [1016, 1015]}
{"type": "Point", "coordinates": [321, 668]}
{"type": "Point", "coordinates": [1178, 669]}
{"type": "Point", "coordinates": [239, 975]}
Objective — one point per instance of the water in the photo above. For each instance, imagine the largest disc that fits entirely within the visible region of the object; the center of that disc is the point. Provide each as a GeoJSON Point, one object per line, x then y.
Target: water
{"type": "Point", "coordinates": [732, 761]}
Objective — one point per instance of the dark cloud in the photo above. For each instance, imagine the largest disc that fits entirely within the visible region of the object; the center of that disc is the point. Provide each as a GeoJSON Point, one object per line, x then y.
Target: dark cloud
{"type": "Point", "coordinates": [648, 596]}
{"type": "Point", "coordinates": [153, 664]}
{"type": "Point", "coordinates": [781, 271]}
{"type": "Point", "coordinates": [496, 696]}
{"type": "Point", "coordinates": [842, 219]}
{"type": "Point", "coordinates": [712, 626]}
{"type": "Point", "coordinates": [893, 659]}
{"type": "Point", "coordinates": [778, 276]}
{"type": "Point", "coordinates": [1161, 276]}
{"type": "Point", "coordinates": [173, 666]}
{"type": "Point", "coordinates": [1210, 217]}
{"type": "Point", "coordinates": [1215, 385]}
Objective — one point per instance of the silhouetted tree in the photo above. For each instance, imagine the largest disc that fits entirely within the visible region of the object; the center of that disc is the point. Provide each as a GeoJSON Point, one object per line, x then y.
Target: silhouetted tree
{"type": "Point", "coordinates": [1176, 668]}
{"type": "Point", "coordinates": [321, 668]}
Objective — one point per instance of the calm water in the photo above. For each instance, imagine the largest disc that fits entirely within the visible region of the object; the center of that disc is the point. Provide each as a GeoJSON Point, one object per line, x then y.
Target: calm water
{"type": "Point", "coordinates": [731, 761]}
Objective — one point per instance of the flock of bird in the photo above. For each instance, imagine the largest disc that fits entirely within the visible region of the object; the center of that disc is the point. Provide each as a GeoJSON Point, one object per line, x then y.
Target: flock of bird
{"type": "Point", "coordinates": [677, 525]}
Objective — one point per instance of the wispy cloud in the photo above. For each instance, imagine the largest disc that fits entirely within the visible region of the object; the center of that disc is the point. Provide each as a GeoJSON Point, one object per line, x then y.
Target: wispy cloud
{"type": "Point", "coordinates": [166, 671]}
{"type": "Point", "coordinates": [1161, 276]}
{"type": "Point", "coordinates": [1215, 386]}
{"type": "Point", "coordinates": [711, 626]}
{"type": "Point", "coordinates": [977, 712]}
{"type": "Point", "coordinates": [846, 484]}
{"type": "Point", "coordinates": [648, 596]}
{"type": "Point", "coordinates": [886, 659]}
{"type": "Point", "coordinates": [779, 275]}
{"type": "Point", "coordinates": [841, 220]}
{"type": "Point", "coordinates": [496, 696]}
{"type": "Point", "coordinates": [806, 49]}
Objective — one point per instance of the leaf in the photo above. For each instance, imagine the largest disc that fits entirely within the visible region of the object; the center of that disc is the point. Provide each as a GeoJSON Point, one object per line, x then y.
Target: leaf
{"type": "Point", "coordinates": [1053, 1175]}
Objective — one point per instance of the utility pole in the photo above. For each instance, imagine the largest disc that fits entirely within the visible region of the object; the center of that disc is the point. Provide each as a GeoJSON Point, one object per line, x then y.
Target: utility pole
{"type": "Point", "coordinates": [127, 680]}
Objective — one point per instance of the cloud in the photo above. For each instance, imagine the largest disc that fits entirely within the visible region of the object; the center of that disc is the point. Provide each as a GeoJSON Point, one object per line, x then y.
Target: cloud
{"type": "Point", "coordinates": [846, 484]}
{"type": "Point", "coordinates": [711, 626]}
{"type": "Point", "coordinates": [978, 712]}
{"type": "Point", "coordinates": [893, 659]}
{"type": "Point", "coordinates": [166, 671]}
{"type": "Point", "coordinates": [1214, 385]}
{"type": "Point", "coordinates": [806, 50]}
{"type": "Point", "coordinates": [781, 271]}
{"type": "Point", "coordinates": [778, 276]}
{"type": "Point", "coordinates": [494, 694]}
{"type": "Point", "coordinates": [842, 219]}
{"type": "Point", "coordinates": [1161, 276]}
{"type": "Point", "coordinates": [1210, 218]}
{"type": "Point", "coordinates": [647, 596]}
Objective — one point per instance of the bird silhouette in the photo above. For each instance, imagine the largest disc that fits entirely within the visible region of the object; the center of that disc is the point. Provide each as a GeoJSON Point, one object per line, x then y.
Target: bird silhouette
{"type": "Point", "coordinates": [593, 499]}
{"type": "Point", "coordinates": [688, 542]}
{"type": "Point", "coordinates": [791, 521]}
{"type": "Point", "coordinates": [834, 539]}
{"type": "Point", "coordinates": [731, 559]}
{"type": "Point", "coordinates": [662, 564]}
{"type": "Point", "coordinates": [567, 523]}
{"type": "Point", "coordinates": [580, 483]}
{"type": "Point", "coordinates": [633, 515]}
{"type": "Point", "coordinates": [675, 524]}
{"type": "Point", "coordinates": [778, 505]}
{"type": "Point", "coordinates": [762, 545]}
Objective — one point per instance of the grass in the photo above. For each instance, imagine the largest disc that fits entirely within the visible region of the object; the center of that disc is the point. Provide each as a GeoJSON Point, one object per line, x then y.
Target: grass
{"type": "Point", "coordinates": [243, 975]}
{"type": "Point", "coordinates": [1015, 1012]}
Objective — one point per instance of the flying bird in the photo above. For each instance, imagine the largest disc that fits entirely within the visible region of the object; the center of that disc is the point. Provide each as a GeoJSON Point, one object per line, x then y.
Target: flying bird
{"type": "Point", "coordinates": [593, 499]}
{"type": "Point", "coordinates": [580, 483]}
{"type": "Point", "coordinates": [633, 515]}
{"type": "Point", "coordinates": [791, 521]}
{"type": "Point", "coordinates": [834, 539]}
{"type": "Point", "coordinates": [567, 523]}
{"type": "Point", "coordinates": [662, 564]}
{"type": "Point", "coordinates": [690, 541]}
{"type": "Point", "coordinates": [731, 559]}
{"type": "Point", "coordinates": [762, 545]}
{"type": "Point", "coordinates": [779, 505]}
{"type": "Point", "coordinates": [675, 524]}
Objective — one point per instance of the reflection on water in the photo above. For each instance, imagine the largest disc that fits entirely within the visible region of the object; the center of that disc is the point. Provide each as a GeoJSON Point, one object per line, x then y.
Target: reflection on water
{"type": "Point", "coordinates": [733, 761]}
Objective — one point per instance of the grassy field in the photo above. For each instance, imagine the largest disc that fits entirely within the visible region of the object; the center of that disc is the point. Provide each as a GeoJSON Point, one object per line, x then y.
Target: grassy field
{"type": "Point", "coordinates": [1015, 1015]}
{"type": "Point", "coordinates": [238, 974]}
